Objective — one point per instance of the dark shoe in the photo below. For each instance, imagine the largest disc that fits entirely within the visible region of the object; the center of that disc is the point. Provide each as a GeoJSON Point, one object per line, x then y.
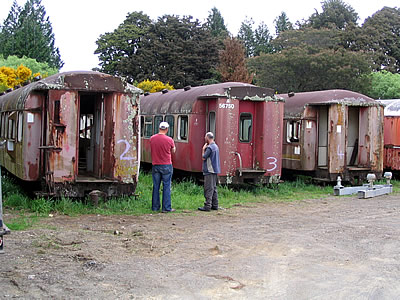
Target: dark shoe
{"type": "Point", "coordinates": [167, 211]}
{"type": "Point", "coordinates": [214, 208]}
{"type": "Point", "coordinates": [204, 208]}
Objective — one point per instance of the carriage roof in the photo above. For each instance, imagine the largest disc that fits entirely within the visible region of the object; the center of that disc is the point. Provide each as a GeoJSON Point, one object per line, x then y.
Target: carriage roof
{"type": "Point", "coordinates": [296, 103]}
{"type": "Point", "coordinates": [183, 100]}
{"type": "Point", "coordinates": [79, 80]}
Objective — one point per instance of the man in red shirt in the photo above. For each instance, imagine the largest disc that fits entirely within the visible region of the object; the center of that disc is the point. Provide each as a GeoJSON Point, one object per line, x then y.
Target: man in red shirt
{"type": "Point", "coordinates": [161, 148]}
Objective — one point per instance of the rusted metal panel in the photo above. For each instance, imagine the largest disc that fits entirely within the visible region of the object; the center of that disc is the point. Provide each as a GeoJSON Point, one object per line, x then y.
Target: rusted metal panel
{"type": "Point", "coordinates": [126, 167]}
{"type": "Point", "coordinates": [63, 136]}
{"type": "Point", "coordinates": [337, 138]}
{"type": "Point", "coordinates": [309, 143]}
{"type": "Point", "coordinates": [376, 127]}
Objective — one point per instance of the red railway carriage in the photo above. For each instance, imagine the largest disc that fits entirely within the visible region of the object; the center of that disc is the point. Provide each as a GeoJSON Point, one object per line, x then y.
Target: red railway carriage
{"type": "Point", "coordinates": [74, 132]}
{"type": "Point", "coordinates": [392, 134]}
{"type": "Point", "coordinates": [331, 133]}
{"type": "Point", "coordinates": [246, 121]}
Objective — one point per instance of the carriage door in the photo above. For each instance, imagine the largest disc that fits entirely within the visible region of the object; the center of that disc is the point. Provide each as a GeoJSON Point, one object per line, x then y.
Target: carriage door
{"type": "Point", "coordinates": [323, 136]}
{"type": "Point", "coordinates": [246, 146]}
{"type": "Point", "coordinates": [352, 136]}
{"type": "Point", "coordinates": [91, 122]}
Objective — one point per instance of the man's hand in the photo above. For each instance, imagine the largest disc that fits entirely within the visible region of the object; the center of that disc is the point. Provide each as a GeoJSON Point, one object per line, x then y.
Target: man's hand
{"type": "Point", "coordinates": [205, 146]}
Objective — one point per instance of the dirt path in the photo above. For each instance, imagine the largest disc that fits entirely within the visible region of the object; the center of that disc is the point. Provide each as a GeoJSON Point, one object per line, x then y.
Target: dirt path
{"type": "Point", "coordinates": [335, 248]}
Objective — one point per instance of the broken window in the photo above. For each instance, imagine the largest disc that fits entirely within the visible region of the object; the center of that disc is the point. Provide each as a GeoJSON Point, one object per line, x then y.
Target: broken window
{"type": "Point", "coordinates": [293, 129]}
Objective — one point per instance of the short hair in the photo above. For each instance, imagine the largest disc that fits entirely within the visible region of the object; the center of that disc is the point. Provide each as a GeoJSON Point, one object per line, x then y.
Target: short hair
{"type": "Point", "coordinates": [210, 135]}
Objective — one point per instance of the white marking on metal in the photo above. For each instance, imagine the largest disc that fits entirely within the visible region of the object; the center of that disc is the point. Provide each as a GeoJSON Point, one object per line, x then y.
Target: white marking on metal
{"type": "Point", "coordinates": [127, 147]}
{"type": "Point", "coordinates": [273, 163]}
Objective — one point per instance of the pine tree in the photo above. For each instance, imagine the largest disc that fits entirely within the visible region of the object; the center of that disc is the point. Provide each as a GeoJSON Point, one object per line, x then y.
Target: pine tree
{"type": "Point", "coordinates": [232, 65]}
{"type": "Point", "coordinates": [246, 36]}
{"type": "Point", "coordinates": [262, 40]}
{"type": "Point", "coordinates": [216, 24]}
{"type": "Point", "coordinates": [282, 23]}
{"type": "Point", "coordinates": [28, 32]}
{"type": "Point", "coordinates": [10, 26]}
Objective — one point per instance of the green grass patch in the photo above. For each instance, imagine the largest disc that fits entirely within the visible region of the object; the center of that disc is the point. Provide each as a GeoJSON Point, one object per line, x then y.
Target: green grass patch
{"type": "Point", "coordinates": [186, 196]}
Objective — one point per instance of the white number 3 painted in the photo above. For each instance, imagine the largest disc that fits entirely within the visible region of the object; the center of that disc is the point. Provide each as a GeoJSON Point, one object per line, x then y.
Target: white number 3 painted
{"type": "Point", "coordinates": [127, 147]}
{"type": "Point", "coordinates": [272, 162]}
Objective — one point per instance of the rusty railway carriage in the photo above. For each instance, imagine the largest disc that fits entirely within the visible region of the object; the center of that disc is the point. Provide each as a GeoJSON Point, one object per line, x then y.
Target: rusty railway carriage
{"type": "Point", "coordinates": [331, 133]}
{"type": "Point", "coordinates": [392, 134]}
{"type": "Point", "coordinates": [74, 132]}
{"type": "Point", "coordinates": [246, 120]}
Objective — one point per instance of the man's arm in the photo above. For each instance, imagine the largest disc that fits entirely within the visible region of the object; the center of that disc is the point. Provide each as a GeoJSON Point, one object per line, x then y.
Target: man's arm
{"type": "Point", "coordinates": [205, 153]}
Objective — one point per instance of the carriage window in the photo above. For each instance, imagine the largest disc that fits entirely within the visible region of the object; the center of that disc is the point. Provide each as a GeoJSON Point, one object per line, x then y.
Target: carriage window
{"type": "Point", "coordinates": [170, 120]}
{"type": "Point", "coordinates": [157, 121]}
{"type": "Point", "coordinates": [57, 112]}
{"type": "Point", "coordinates": [11, 129]}
{"type": "Point", "coordinates": [211, 122]}
{"type": "Point", "coordinates": [86, 125]}
{"type": "Point", "coordinates": [148, 126]}
{"type": "Point", "coordinates": [293, 131]}
{"type": "Point", "coordinates": [183, 123]}
{"type": "Point", "coordinates": [20, 125]}
{"type": "Point", "coordinates": [245, 127]}
{"type": "Point", "coordinates": [3, 125]}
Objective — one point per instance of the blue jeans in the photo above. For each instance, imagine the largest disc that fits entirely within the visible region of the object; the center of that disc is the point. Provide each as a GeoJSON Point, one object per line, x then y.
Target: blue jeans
{"type": "Point", "coordinates": [164, 173]}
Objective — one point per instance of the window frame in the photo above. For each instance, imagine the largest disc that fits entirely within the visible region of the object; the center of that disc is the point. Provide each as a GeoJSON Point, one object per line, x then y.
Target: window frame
{"type": "Point", "coordinates": [293, 131]}
{"type": "Point", "coordinates": [156, 123]}
{"type": "Point", "coordinates": [212, 128]}
{"type": "Point", "coordinates": [20, 126]}
{"type": "Point", "coordinates": [148, 121]}
{"type": "Point", "coordinates": [179, 136]}
{"type": "Point", "coordinates": [250, 136]}
{"type": "Point", "coordinates": [171, 130]}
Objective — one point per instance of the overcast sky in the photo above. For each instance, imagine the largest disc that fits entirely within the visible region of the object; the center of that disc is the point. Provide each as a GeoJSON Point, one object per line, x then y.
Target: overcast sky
{"type": "Point", "coordinates": [77, 24]}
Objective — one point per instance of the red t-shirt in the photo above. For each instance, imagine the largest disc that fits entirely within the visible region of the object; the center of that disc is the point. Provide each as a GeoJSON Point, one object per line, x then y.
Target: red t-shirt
{"type": "Point", "coordinates": [161, 146]}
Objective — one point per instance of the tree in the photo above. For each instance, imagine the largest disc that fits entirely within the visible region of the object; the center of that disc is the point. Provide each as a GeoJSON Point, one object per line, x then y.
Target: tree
{"type": "Point", "coordinates": [28, 32]}
{"type": "Point", "coordinates": [172, 49]}
{"type": "Point", "coordinates": [216, 24]}
{"type": "Point", "coordinates": [282, 23]}
{"type": "Point", "coordinates": [246, 36]}
{"type": "Point", "coordinates": [153, 86]}
{"type": "Point", "coordinates": [37, 68]}
{"type": "Point", "coordinates": [318, 39]}
{"type": "Point", "coordinates": [232, 65]}
{"type": "Point", "coordinates": [302, 69]}
{"type": "Point", "coordinates": [380, 35]}
{"type": "Point", "coordinates": [384, 85]}
{"type": "Point", "coordinates": [262, 40]}
{"type": "Point", "coordinates": [335, 14]}
{"type": "Point", "coordinates": [8, 30]}
{"type": "Point", "coordinates": [121, 51]}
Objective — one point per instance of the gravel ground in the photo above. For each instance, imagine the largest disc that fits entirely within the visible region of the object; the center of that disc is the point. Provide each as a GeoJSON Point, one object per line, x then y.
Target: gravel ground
{"type": "Point", "coordinates": [331, 248]}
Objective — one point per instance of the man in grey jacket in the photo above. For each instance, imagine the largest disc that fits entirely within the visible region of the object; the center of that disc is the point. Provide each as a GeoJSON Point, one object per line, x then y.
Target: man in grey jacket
{"type": "Point", "coordinates": [211, 168]}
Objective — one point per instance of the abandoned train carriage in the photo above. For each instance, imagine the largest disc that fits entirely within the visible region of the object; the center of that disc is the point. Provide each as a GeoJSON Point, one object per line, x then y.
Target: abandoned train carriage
{"type": "Point", "coordinates": [331, 133]}
{"type": "Point", "coordinates": [74, 132]}
{"type": "Point", "coordinates": [392, 134]}
{"type": "Point", "coordinates": [246, 121]}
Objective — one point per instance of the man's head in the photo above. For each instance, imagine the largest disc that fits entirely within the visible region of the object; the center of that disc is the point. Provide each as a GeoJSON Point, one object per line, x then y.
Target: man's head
{"type": "Point", "coordinates": [209, 137]}
{"type": "Point", "coordinates": [163, 127]}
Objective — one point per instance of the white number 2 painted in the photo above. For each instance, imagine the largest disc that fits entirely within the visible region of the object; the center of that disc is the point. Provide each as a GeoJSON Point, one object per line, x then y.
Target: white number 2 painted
{"type": "Point", "coordinates": [273, 162]}
{"type": "Point", "coordinates": [127, 147]}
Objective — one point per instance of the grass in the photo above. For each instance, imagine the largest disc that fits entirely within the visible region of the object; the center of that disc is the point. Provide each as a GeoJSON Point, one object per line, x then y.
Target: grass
{"type": "Point", "coordinates": [186, 196]}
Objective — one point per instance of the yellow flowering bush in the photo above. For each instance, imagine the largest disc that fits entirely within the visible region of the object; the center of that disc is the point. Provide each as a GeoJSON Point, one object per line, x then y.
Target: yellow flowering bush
{"type": "Point", "coordinates": [153, 86]}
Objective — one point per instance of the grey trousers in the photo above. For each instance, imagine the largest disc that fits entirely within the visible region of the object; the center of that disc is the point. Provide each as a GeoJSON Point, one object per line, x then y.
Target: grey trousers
{"type": "Point", "coordinates": [210, 191]}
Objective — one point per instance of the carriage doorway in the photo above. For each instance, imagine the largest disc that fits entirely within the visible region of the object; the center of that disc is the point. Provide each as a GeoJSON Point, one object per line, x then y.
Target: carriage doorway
{"type": "Point", "coordinates": [91, 122]}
